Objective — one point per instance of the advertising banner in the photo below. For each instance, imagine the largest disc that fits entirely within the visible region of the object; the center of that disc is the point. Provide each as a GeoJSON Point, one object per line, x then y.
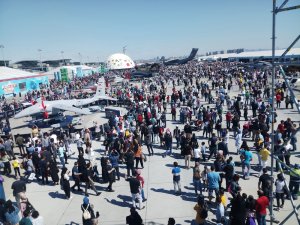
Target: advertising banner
{"type": "Point", "coordinates": [22, 85]}
{"type": "Point", "coordinates": [64, 74]}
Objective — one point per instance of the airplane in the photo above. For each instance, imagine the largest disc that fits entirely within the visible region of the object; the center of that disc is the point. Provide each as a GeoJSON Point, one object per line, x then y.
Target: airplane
{"type": "Point", "coordinates": [73, 105]}
{"type": "Point", "coordinates": [181, 61]}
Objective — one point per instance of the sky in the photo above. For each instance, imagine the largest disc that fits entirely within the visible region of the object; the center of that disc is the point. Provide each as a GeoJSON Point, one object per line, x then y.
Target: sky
{"type": "Point", "coordinates": [149, 29]}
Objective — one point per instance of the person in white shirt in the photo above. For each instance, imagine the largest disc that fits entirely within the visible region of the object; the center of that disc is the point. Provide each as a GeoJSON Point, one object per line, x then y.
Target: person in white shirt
{"type": "Point", "coordinates": [197, 153]}
{"type": "Point", "coordinates": [203, 151]}
{"type": "Point", "coordinates": [280, 184]}
{"type": "Point", "coordinates": [36, 219]}
{"type": "Point", "coordinates": [77, 136]}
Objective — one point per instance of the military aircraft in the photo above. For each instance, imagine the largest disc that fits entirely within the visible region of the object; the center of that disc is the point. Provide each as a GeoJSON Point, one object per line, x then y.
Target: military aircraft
{"type": "Point", "coordinates": [72, 105]}
{"type": "Point", "coordinates": [182, 61]}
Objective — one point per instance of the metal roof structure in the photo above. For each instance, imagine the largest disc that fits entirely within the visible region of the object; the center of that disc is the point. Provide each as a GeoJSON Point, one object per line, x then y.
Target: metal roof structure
{"type": "Point", "coordinates": [253, 54]}
{"type": "Point", "coordinates": [7, 73]}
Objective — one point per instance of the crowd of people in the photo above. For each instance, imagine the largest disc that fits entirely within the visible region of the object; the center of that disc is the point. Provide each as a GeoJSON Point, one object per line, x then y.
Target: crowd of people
{"type": "Point", "coordinates": [198, 96]}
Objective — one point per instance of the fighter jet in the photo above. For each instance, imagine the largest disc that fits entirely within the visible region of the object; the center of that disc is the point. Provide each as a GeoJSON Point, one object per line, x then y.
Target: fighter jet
{"type": "Point", "coordinates": [72, 105]}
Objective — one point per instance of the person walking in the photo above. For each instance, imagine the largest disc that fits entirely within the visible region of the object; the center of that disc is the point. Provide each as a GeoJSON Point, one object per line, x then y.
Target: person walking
{"type": "Point", "coordinates": [246, 157]}
{"type": "Point", "coordinates": [264, 155]}
{"type": "Point", "coordinates": [176, 178]}
{"type": "Point", "coordinates": [76, 177]}
{"type": "Point", "coordinates": [279, 189]}
{"type": "Point", "coordinates": [261, 206]}
{"type": "Point", "coordinates": [213, 180]}
{"type": "Point", "coordinates": [148, 143]}
{"type": "Point", "coordinates": [135, 190]}
{"type": "Point", "coordinates": [114, 159]}
{"type": "Point", "coordinates": [111, 175]}
{"type": "Point", "coordinates": [65, 182]}
{"type": "Point", "coordinates": [142, 181]}
{"type": "Point", "coordinates": [87, 174]}
{"type": "Point", "coordinates": [19, 189]}
{"type": "Point", "coordinates": [88, 214]}
{"type": "Point", "coordinates": [197, 178]}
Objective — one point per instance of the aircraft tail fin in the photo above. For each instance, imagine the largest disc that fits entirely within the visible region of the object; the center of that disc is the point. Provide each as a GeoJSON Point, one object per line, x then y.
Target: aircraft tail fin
{"type": "Point", "coordinates": [100, 91]}
{"type": "Point", "coordinates": [193, 53]}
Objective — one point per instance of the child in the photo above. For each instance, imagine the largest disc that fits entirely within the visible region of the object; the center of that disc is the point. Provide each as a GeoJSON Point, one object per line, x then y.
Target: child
{"type": "Point", "coordinates": [204, 177]}
{"type": "Point", "coordinates": [223, 197]}
{"type": "Point", "coordinates": [16, 165]}
{"type": "Point", "coordinates": [203, 150]}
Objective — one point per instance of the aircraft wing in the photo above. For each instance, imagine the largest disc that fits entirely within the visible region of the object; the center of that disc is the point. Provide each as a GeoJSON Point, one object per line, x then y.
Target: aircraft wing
{"type": "Point", "coordinates": [71, 109]}
{"type": "Point", "coordinates": [32, 110]}
{"type": "Point", "coordinates": [107, 98]}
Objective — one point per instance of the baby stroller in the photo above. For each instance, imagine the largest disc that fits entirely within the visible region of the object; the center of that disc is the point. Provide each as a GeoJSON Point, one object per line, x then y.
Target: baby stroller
{"type": "Point", "coordinates": [246, 130]}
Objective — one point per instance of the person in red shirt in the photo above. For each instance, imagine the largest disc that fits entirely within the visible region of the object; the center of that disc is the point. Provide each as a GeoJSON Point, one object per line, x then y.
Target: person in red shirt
{"type": "Point", "coordinates": [140, 118]}
{"type": "Point", "coordinates": [278, 100]}
{"type": "Point", "coordinates": [261, 206]}
{"type": "Point", "coordinates": [228, 119]}
{"type": "Point", "coordinates": [281, 127]}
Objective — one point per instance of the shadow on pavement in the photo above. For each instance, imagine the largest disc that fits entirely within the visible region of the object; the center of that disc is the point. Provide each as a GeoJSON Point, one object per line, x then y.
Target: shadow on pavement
{"type": "Point", "coordinates": [126, 201]}
{"type": "Point", "coordinates": [56, 195]}
{"type": "Point", "coordinates": [72, 223]}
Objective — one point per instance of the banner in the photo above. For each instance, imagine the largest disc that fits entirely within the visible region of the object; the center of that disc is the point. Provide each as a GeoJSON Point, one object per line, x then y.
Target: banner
{"type": "Point", "coordinates": [64, 74]}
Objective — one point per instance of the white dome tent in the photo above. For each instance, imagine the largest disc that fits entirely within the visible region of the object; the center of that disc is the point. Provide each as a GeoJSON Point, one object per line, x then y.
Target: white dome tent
{"type": "Point", "coordinates": [119, 61]}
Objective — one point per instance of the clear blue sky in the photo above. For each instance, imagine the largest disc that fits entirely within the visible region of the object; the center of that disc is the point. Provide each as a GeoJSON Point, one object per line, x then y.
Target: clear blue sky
{"type": "Point", "coordinates": [153, 28]}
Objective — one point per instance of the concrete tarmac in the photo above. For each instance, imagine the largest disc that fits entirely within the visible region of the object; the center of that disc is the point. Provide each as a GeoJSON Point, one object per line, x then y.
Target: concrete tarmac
{"type": "Point", "coordinates": [162, 203]}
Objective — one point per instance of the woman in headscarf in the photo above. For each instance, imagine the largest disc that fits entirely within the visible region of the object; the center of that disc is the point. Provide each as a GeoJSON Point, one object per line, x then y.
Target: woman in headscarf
{"type": "Point", "coordinates": [65, 177]}
{"type": "Point", "coordinates": [88, 209]}
{"type": "Point", "coordinates": [53, 170]}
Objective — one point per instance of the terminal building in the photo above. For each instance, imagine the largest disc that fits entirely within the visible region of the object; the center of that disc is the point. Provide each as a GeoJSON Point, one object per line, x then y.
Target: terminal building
{"type": "Point", "coordinates": [293, 56]}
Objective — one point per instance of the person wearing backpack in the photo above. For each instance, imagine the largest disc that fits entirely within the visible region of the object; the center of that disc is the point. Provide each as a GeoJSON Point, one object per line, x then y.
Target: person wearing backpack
{"type": "Point", "coordinates": [88, 214]}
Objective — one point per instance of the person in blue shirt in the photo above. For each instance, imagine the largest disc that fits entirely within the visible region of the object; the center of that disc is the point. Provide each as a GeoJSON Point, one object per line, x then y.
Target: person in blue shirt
{"type": "Point", "coordinates": [176, 178]}
{"type": "Point", "coordinates": [213, 179]}
{"type": "Point", "coordinates": [114, 159]}
{"type": "Point", "coordinates": [246, 157]}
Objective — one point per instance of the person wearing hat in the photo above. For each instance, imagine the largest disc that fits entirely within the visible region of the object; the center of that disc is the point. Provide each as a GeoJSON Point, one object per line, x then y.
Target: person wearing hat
{"type": "Point", "coordinates": [294, 181]}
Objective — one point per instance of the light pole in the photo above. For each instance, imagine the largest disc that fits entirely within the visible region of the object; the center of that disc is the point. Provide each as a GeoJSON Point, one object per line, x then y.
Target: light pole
{"type": "Point", "coordinates": [124, 49]}
{"type": "Point", "coordinates": [40, 54]}
{"type": "Point", "coordinates": [62, 55]}
{"type": "Point", "coordinates": [80, 57]}
{"type": "Point", "coordinates": [2, 50]}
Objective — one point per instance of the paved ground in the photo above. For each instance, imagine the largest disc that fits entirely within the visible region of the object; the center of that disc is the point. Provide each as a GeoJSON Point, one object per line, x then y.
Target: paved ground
{"type": "Point", "coordinates": [161, 204]}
